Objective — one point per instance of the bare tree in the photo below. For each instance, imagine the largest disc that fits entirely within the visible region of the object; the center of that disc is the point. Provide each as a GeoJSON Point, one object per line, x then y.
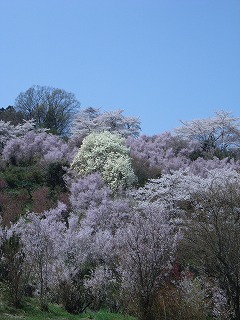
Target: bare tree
{"type": "Point", "coordinates": [51, 108]}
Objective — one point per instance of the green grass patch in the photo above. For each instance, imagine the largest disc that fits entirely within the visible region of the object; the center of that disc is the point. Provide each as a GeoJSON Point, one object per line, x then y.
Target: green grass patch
{"type": "Point", "coordinates": [31, 311]}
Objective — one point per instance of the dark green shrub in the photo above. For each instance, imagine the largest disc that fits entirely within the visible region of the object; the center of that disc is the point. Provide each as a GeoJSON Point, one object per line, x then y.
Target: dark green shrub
{"type": "Point", "coordinates": [54, 175]}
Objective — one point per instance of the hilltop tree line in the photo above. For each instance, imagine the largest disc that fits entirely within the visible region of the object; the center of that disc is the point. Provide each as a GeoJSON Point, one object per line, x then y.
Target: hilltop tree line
{"type": "Point", "coordinates": [95, 215]}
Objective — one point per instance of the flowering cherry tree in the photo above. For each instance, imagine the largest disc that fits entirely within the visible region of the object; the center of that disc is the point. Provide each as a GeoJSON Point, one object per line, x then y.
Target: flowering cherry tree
{"type": "Point", "coordinates": [92, 120]}
{"type": "Point", "coordinates": [221, 132]}
{"type": "Point", "coordinates": [164, 151]}
{"type": "Point", "coordinates": [213, 237]}
{"type": "Point", "coordinates": [147, 247]}
{"type": "Point", "coordinates": [115, 244]}
{"type": "Point", "coordinates": [8, 131]}
{"type": "Point", "coordinates": [41, 237]}
{"type": "Point", "coordinates": [35, 147]}
{"type": "Point", "coordinates": [88, 192]}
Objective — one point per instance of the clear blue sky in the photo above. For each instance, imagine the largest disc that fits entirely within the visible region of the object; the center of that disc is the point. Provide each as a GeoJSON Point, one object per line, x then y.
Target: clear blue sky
{"type": "Point", "coordinates": [160, 60]}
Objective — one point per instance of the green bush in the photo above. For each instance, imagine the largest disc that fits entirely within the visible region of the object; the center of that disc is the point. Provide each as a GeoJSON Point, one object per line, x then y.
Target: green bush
{"type": "Point", "coordinates": [23, 177]}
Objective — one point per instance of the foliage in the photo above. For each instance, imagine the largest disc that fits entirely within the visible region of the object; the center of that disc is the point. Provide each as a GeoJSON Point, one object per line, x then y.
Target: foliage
{"type": "Point", "coordinates": [33, 188]}
{"type": "Point", "coordinates": [13, 270]}
{"type": "Point", "coordinates": [217, 136]}
{"type": "Point", "coordinates": [104, 286]}
{"type": "Point", "coordinates": [214, 228]}
{"type": "Point", "coordinates": [12, 205]}
{"type": "Point", "coordinates": [51, 108]}
{"type": "Point", "coordinates": [147, 249]}
{"type": "Point", "coordinates": [201, 166]}
{"type": "Point", "coordinates": [144, 170]}
{"type": "Point", "coordinates": [163, 153]}
{"type": "Point", "coordinates": [31, 311]}
{"type": "Point", "coordinates": [9, 114]}
{"type": "Point", "coordinates": [105, 153]}
{"type": "Point", "coordinates": [36, 147]}
{"type": "Point", "coordinates": [165, 248]}
{"type": "Point", "coordinates": [88, 192]}
{"type": "Point", "coordinates": [54, 175]}
{"type": "Point", "coordinates": [41, 246]}
{"type": "Point", "coordinates": [92, 120]}
{"type": "Point", "coordinates": [23, 177]}
{"type": "Point", "coordinates": [9, 131]}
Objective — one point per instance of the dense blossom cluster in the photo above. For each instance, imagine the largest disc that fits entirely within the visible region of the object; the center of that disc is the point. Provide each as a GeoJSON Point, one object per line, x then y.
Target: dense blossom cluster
{"type": "Point", "coordinates": [92, 120]}
{"type": "Point", "coordinates": [221, 132]}
{"type": "Point", "coordinates": [147, 225]}
{"type": "Point", "coordinates": [36, 147]}
{"type": "Point", "coordinates": [170, 153]}
{"type": "Point", "coordinates": [105, 153]}
{"type": "Point", "coordinates": [8, 131]}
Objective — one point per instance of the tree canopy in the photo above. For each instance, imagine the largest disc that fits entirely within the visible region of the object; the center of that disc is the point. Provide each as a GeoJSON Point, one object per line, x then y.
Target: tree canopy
{"type": "Point", "coordinates": [105, 153]}
{"type": "Point", "coordinates": [92, 120]}
{"type": "Point", "coordinates": [217, 134]}
{"type": "Point", "coordinates": [51, 108]}
{"type": "Point", "coordinates": [146, 225]}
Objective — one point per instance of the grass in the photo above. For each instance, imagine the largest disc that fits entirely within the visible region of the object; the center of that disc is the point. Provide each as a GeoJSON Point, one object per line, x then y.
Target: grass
{"type": "Point", "coordinates": [104, 315]}
{"type": "Point", "coordinates": [31, 311]}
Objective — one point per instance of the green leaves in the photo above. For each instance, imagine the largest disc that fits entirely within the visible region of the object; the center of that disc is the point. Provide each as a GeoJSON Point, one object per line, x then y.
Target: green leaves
{"type": "Point", "coordinates": [105, 153]}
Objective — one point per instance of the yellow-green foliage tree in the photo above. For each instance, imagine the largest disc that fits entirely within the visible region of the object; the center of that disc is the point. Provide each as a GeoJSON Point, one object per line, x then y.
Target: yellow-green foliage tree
{"type": "Point", "coordinates": [107, 154]}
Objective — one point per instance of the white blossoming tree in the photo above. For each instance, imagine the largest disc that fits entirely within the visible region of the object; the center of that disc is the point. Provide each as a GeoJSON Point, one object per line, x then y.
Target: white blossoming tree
{"type": "Point", "coordinates": [8, 131]}
{"type": "Point", "coordinates": [220, 133]}
{"type": "Point", "coordinates": [105, 153]}
{"type": "Point", "coordinates": [93, 120]}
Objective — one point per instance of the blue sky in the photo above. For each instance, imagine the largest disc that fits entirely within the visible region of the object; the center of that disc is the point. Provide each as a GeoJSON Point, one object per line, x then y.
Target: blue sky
{"type": "Point", "coordinates": [159, 60]}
